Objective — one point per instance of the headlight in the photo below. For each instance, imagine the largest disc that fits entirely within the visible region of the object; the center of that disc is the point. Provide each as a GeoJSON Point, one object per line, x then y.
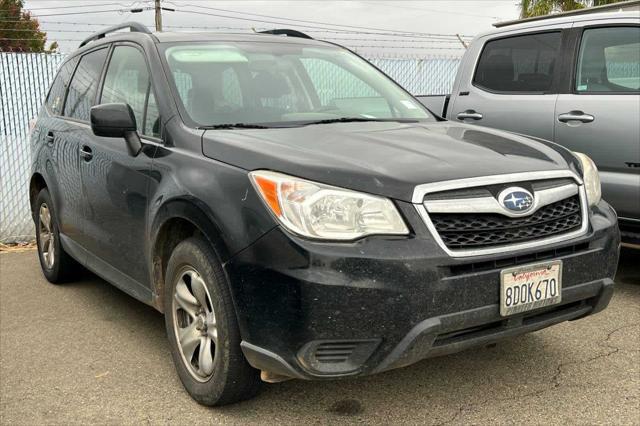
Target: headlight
{"type": "Point", "coordinates": [591, 178]}
{"type": "Point", "coordinates": [325, 212]}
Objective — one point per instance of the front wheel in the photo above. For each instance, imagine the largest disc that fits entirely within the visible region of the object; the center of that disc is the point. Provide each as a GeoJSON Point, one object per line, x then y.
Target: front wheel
{"type": "Point", "coordinates": [202, 327]}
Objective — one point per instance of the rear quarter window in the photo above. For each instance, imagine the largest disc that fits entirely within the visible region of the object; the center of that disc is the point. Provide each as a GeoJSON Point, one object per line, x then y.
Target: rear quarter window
{"type": "Point", "coordinates": [525, 63]}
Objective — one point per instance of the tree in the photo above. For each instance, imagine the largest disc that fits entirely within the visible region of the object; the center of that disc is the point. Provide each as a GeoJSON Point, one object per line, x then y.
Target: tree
{"type": "Point", "coordinates": [529, 8]}
{"type": "Point", "coordinates": [19, 31]}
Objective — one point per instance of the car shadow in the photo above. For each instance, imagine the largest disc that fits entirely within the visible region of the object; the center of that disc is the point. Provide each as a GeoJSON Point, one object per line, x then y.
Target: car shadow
{"type": "Point", "coordinates": [629, 266]}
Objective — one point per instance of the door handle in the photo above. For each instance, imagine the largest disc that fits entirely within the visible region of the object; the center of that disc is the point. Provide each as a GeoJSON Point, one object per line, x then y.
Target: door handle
{"type": "Point", "coordinates": [49, 138]}
{"type": "Point", "coordinates": [472, 114]}
{"type": "Point", "coordinates": [86, 153]}
{"type": "Point", "coordinates": [576, 116]}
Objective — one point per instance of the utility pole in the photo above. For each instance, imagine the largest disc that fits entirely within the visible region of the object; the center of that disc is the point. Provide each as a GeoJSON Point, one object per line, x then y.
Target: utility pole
{"type": "Point", "coordinates": [158, 16]}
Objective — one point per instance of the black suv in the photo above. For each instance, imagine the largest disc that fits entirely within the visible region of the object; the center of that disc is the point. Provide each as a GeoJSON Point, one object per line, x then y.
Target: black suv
{"type": "Point", "coordinates": [296, 214]}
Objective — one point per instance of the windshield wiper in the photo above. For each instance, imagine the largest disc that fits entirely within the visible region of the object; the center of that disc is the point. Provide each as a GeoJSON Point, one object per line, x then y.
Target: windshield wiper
{"type": "Point", "coordinates": [359, 119]}
{"type": "Point", "coordinates": [306, 123]}
{"type": "Point", "coordinates": [234, 126]}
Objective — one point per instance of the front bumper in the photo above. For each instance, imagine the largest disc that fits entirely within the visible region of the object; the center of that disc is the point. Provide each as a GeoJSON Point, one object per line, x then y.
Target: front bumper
{"type": "Point", "coordinates": [316, 310]}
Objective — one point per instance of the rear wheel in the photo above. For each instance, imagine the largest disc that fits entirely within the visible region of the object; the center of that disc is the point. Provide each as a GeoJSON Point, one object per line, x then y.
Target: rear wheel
{"type": "Point", "coordinates": [202, 328]}
{"type": "Point", "coordinates": [57, 265]}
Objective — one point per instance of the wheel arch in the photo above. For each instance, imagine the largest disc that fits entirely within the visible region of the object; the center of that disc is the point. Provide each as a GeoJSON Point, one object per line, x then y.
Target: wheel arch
{"type": "Point", "coordinates": [36, 184]}
{"type": "Point", "coordinates": [175, 221]}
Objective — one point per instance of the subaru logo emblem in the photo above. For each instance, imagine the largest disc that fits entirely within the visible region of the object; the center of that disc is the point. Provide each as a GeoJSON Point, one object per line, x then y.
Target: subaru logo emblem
{"type": "Point", "coordinates": [516, 200]}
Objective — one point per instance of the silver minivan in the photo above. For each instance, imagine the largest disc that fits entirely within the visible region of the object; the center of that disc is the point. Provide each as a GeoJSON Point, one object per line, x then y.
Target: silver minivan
{"type": "Point", "coordinates": [574, 80]}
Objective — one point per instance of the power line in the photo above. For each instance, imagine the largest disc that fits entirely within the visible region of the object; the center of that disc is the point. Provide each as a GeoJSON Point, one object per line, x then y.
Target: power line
{"type": "Point", "coordinates": [341, 39]}
{"type": "Point", "coordinates": [431, 10]}
{"type": "Point", "coordinates": [52, 31]}
{"type": "Point", "coordinates": [394, 46]}
{"type": "Point", "coordinates": [304, 21]}
{"type": "Point", "coordinates": [39, 39]}
{"type": "Point", "coordinates": [413, 35]}
{"type": "Point", "coordinates": [72, 13]}
{"type": "Point", "coordinates": [250, 29]}
{"type": "Point", "coordinates": [72, 7]}
{"type": "Point", "coordinates": [441, 36]}
{"type": "Point", "coordinates": [61, 23]}
{"type": "Point", "coordinates": [206, 27]}
{"type": "Point", "coordinates": [414, 40]}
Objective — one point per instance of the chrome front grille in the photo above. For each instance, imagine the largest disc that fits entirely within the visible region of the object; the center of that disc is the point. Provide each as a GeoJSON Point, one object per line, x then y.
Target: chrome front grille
{"type": "Point", "coordinates": [468, 218]}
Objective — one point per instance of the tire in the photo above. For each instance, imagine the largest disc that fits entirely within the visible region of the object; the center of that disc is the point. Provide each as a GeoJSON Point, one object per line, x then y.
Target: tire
{"type": "Point", "coordinates": [198, 306]}
{"type": "Point", "coordinates": [57, 266]}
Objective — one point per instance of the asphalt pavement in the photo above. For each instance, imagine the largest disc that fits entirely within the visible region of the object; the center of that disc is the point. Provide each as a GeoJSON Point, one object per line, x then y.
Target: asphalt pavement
{"type": "Point", "coordinates": [87, 353]}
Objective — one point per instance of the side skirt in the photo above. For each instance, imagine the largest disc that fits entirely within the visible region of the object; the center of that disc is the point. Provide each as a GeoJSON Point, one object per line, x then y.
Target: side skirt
{"type": "Point", "coordinates": [107, 272]}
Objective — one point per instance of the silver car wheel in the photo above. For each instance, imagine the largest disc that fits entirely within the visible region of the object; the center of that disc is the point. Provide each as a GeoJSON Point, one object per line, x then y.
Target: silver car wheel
{"type": "Point", "coordinates": [194, 323]}
{"type": "Point", "coordinates": [47, 237]}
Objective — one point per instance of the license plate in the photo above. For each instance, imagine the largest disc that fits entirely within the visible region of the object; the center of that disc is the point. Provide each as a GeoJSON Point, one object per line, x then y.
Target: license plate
{"type": "Point", "coordinates": [525, 288]}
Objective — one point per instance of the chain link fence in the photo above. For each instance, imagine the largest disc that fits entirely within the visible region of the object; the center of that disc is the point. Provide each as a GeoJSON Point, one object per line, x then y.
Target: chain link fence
{"type": "Point", "coordinates": [25, 80]}
{"type": "Point", "coordinates": [426, 76]}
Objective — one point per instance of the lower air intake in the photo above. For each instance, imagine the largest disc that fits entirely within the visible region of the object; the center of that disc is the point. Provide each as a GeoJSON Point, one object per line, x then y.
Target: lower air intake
{"type": "Point", "coordinates": [335, 357]}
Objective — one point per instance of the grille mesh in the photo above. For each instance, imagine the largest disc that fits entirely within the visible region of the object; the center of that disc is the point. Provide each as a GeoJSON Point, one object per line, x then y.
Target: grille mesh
{"type": "Point", "coordinates": [460, 230]}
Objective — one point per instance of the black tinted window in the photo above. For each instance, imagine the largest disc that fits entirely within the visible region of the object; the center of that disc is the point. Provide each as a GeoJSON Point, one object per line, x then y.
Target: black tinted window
{"type": "Point", "coordinates": [59, 87]}
{"type": "Point", "coordinates": [609, 60]}
{"type": "Point", "coordinates": [84, 84]}
{"type": "Point", "coordinates": [519, 64]}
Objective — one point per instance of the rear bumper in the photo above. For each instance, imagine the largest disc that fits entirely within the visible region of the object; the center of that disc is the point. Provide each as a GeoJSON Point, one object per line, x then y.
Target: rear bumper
{"type": "Point", "coordinates": [317, 311]}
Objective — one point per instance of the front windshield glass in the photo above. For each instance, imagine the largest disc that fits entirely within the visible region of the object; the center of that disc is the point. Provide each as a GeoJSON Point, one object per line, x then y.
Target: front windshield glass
{"type": "Point", "coordinates": [282, 84]}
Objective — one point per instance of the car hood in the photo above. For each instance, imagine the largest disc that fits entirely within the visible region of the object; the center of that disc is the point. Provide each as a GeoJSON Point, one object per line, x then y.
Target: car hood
{"type": "Point", "coordinates": [383, 158]}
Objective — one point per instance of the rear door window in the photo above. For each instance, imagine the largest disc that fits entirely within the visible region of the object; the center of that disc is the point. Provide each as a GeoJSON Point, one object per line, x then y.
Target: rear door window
{"type": "Point", "coordinates": [609, 60]}
{"type": "Point", "coordinates": [55, 99]}
{"type": "Point", "coordinates": [84, 85]}
{"type": "Point", "coordinates": [524, 63]}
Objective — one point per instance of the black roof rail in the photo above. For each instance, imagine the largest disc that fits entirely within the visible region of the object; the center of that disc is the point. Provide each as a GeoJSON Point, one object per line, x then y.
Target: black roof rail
{"type": "Point", "coordinates": [135, 27]}
{"type": "Point", "coordinates": [288, 33]}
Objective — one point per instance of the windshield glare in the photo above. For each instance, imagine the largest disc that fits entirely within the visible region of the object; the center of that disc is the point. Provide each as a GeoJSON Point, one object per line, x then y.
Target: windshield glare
{"type": "Point", "coordinates": [280, 83]}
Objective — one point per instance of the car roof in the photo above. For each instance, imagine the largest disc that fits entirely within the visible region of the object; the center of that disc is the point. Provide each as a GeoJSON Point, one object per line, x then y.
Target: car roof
{"type": "Point", "coordinates": [562, 19]}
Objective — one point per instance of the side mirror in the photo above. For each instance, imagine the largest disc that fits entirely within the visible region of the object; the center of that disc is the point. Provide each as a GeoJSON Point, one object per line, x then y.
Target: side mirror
{"type": "Point", "coordinates": [116, 121]}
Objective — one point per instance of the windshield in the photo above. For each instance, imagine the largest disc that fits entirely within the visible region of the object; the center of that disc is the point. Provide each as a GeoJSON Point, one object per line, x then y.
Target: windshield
{"type": "Point", "coordinates": [283, 84]}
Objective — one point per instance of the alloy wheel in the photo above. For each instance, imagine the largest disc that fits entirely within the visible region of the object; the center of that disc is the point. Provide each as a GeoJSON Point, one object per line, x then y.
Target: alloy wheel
{"type": "Point", "coordinates": [194, 323]}
{"type": "Point", "coordinates": [47, 237]}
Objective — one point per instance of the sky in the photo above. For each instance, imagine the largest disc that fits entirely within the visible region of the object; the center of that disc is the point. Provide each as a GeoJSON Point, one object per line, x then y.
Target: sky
{"type": "Point", "coordinates": [432, 25]}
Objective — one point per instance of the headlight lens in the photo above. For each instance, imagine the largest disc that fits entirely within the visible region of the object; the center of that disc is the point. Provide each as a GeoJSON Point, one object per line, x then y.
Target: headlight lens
{"type": "Point", "coordinates": [591, 178]}
{"type": "Point", "coordinates": [321, 211]}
